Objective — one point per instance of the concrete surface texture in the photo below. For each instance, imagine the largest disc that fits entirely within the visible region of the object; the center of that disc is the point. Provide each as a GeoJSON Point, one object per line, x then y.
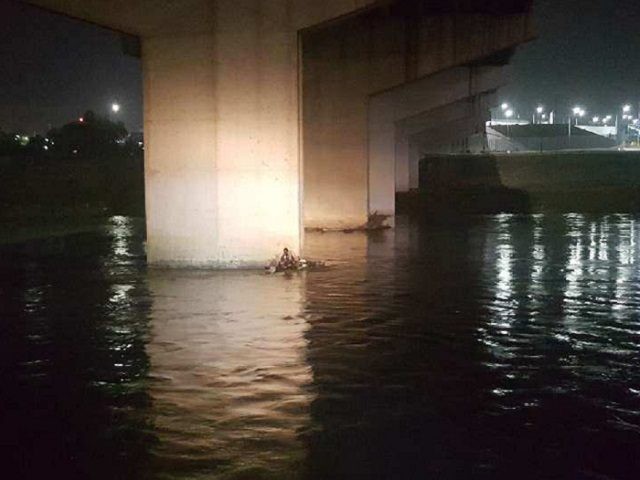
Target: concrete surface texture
{"type": "Point", "coordinates": [223, 103]}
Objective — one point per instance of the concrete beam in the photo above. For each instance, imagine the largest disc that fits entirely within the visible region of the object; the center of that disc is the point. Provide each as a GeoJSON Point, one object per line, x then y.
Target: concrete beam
{"type": "Point", "coordinates": [139, 17]}
{"type": "Point", "coordinates": [308, 14]}
{"type": "Point", "coordinates": [161, 17]}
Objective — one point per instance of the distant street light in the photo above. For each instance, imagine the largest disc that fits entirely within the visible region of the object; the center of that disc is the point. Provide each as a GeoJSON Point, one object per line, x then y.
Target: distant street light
{"type": "Point", "coordinates": [504, 106]}
{"type": "Point", "coordinates": [626, 108]}
{"type": "Point", "coordinates": [576, 110]}
{"type": "Point", "coordinates": [508, 113]}
{"type": "Point", "coordinates": [595, 119]}
{"type": "Point", "coordinates": [540, 109]}
{"type": "Point", "coordinates": [115, 107]}
{"type": "Point", "coordinates": [544, 115]}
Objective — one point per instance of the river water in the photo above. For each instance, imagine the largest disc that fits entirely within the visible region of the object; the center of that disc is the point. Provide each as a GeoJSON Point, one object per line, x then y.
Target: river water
{"type": "Point", "coordinates": [497, 346]}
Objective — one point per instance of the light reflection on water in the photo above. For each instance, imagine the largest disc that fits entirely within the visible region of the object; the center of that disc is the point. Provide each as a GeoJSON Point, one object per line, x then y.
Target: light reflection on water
{"type": "Point", "coordinates": [228, 373]}
{"type": "Point", "coordinates": [490, 347]}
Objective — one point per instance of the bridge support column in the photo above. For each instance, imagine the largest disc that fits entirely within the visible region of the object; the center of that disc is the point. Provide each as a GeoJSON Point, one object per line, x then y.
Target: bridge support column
{"type": "Point", "coordinates": [222, 167]}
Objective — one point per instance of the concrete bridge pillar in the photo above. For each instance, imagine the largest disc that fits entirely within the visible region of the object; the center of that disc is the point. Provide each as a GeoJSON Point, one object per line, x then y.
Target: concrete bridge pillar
{"type": "Point", "coordinates": [221, 139]}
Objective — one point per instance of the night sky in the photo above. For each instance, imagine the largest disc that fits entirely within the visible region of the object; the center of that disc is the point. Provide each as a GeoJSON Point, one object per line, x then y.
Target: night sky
{"type": "Point", "coordinates": [53, 68]}
{"type": "Point", "coordinates": [587, 53]}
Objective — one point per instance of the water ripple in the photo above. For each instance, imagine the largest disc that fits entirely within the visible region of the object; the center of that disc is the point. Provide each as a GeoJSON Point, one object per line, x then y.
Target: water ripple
{"type": "Point", "coordinates": [495, 346]}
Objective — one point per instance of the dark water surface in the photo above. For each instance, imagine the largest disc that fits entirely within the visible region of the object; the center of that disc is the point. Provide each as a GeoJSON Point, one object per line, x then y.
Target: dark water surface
{"type": "Point", "coordinates": [495, 347]}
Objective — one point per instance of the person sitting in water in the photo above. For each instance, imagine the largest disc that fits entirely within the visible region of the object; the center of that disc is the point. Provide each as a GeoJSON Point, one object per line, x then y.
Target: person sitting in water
{"type": "Point", "coordinates": [287, 261]}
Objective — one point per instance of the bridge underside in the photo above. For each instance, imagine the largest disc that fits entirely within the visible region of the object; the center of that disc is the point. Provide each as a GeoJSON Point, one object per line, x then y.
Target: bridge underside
{"type": "Point", "coordinates": [261, 118]}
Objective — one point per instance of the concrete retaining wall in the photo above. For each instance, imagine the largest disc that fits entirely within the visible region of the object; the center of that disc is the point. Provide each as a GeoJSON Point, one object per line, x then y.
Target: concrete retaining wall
{"type": "Point", "coordinates": [559, 181]}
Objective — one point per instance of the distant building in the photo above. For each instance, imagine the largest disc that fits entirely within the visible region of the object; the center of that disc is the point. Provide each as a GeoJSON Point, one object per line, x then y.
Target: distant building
{"type": "Point", "coordinates": [548, 137]}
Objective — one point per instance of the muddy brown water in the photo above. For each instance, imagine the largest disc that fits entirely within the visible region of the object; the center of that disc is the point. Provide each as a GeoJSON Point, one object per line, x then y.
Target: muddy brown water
{"type": "Point", "coordinates": [496, 346]}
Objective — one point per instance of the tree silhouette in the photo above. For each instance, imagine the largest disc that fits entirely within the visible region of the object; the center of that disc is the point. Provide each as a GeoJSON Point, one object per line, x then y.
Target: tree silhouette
{"type": "Point", "coordinates": [89, 137]}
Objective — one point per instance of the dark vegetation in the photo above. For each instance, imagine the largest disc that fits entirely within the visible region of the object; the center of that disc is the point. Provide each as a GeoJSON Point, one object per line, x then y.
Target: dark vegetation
{"type": "Point", "coordinates": [81, 172]}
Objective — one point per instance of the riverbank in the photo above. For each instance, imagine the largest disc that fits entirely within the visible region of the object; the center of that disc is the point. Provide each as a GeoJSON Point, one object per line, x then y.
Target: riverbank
{"type": "Point", "coordinates": [49, 197]}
